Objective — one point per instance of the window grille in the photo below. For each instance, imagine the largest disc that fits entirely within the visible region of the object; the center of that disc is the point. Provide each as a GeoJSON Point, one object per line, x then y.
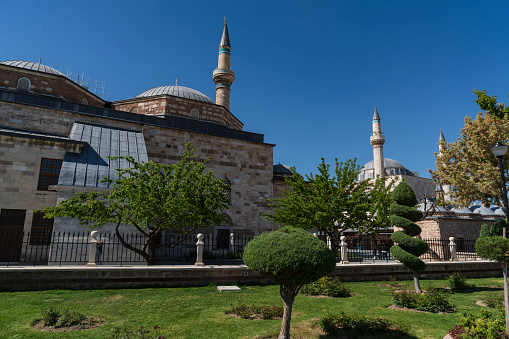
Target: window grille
{"type": "Point", "coordinates": [49, 173]}
{"type": "Point", "coordinates": [195, 114]}
{"type": "Point", "coordinates": [41, 230]}
{"type": "Point", "coordinates": [23, 84]}
{"type": "Point", "coordinates": [228, 191]}
{"type": "Point", "coordinates": [134, 110]}
{"type": "Point", "coordinates": [84, 101]}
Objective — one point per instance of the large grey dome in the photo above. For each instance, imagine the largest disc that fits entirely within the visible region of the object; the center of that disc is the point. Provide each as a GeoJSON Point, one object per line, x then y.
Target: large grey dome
{"type": "Point", "coordinates": [177, 91]}
{"type": "Point", "coordinates": [31, 65]}
{"type": "Point", "coordinates": [392, 167]}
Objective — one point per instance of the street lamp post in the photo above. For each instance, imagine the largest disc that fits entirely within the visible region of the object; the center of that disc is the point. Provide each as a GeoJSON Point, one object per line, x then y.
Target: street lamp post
{"type": "Point", "coordinates": [499, 150]}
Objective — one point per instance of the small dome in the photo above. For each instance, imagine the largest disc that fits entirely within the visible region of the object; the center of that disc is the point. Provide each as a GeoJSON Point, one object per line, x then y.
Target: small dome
{"type": "Point", "coordinates": [176, 91]}
{"type": "Point", "coordinates": [461, 210]}
{"type": "Point", "coordinates": [498, 211]}
{"type": "Point", "coordinates": [31, 65]}
{"type": "Point", "coordinates": [483, 211]}
{"type": "Point", "coordinates": [281, 169]}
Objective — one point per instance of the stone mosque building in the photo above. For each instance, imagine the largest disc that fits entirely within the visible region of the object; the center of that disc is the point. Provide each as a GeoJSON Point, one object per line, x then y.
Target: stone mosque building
{"type": "Point", "coordinates": [55, 137]}
{"type": "Point", "coordinates": [460, 223]}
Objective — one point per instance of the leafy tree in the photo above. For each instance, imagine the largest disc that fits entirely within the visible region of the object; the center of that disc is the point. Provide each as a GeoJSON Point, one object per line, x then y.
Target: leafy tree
{"type": "Point", "coordinates": [291, 257]}
{"type": "Point", "coordinates": [334, 203]}
{"type": "Point", "coordinates": [468, 163]}
{"type": "Point", "coordinates": [152, 197]}
{"type": "Point", "coordinates": [490, 105]}
{"type": "Point", "coordinates": [408, 248]}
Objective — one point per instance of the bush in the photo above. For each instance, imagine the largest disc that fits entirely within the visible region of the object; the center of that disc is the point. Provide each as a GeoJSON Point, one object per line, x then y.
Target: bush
{"type": "Point", "coordinates": [497, 228]}
{"type": "Point", "coordinates": [481, 325]}
{"type": "Point", "coordinates": [267, 312]}
{"type": "Point", "coordinates": [457, 281]}
{"type": "Point", "coordinates": [61, 317]}
{"type": "Point", "coordinates": [494, 300]}
{"type": "Point", "coordinates": [355, 324]}
{"type": "Point", "coordinates": [328, 286]}
{"type": "Point", "coordinates": [435, 300]}
{"type": "Point", "coordinates": [485, 231]}
{"type": "Point", "coordinates": [493, 248]}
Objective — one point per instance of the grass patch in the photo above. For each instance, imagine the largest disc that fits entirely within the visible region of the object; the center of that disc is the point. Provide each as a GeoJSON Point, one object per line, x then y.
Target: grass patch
{"type": "Point", "coordinates": [199, 312]}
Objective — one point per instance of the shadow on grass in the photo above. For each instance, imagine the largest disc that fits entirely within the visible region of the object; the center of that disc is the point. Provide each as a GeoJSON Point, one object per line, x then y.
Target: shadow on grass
{"type": "Point", "coordinates": [477, 289]}
{"type": "Point", "coordinates": [391, 334]}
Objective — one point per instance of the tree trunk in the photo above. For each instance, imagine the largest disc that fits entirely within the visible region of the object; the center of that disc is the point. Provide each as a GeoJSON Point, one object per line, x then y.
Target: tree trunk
{"type": "Point", "coordinates": [417, 284]}
{"type": "Point", "coordinates": [288, 295]}
{"type": "Point", "coordinates": [506, 298]}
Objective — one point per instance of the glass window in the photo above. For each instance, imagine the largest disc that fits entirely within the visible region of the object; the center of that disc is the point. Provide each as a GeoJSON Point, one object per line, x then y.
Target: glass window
{"type": "Point", "coordinates": [41, 230]}
{"type": "Point", "coordinates": [49, 173]}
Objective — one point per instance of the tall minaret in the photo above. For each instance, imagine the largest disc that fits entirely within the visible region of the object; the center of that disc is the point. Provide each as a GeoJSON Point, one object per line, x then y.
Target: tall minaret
{"type": "Point", "coordinates": [223, 76]}
{"type": "Point", "coordinates": [446, 188]}
{"type": "Point", "coordinates": [378, 140]}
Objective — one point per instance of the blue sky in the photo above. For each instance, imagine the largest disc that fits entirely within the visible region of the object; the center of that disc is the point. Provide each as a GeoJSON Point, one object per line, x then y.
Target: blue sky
{"type": "Point", "coordinates": [308, 74]}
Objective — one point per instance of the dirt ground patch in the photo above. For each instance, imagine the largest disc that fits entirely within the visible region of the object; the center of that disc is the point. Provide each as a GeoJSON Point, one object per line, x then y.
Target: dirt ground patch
{"type": "Point", "coordinates": [89, 323]}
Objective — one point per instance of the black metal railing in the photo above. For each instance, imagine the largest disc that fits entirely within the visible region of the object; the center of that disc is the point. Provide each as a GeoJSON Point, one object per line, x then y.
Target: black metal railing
{"type": "Point", "coordinates": [58, 248]}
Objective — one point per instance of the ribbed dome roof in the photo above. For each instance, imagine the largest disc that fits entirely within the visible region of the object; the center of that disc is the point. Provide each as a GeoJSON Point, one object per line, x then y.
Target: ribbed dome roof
{"type": "Point", "coordinates": [31, 65]}
{"type": "Point", "coordinates": [388, 163]}
{"type": "Point", "coordinates": [177, 91]}
{"type": "Point", "coordinates": [391, 167]}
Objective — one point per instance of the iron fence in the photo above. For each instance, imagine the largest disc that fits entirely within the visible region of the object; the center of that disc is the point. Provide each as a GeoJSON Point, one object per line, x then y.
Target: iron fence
{"type": "Point", "coordinates": [59, 248]}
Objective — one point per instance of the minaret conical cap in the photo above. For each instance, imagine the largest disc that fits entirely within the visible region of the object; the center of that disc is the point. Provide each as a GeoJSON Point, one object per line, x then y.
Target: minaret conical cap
{"type": "Point", "coordinates": [375, 115]}
{"type": "Point", "coordinates": [225, 39]}
{"type": "Point", "coordinates": [441, 138]}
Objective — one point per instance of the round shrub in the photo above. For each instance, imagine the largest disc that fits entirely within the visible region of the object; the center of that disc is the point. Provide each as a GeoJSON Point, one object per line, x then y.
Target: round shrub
{"type": "Point", "coordinates": [289, 256]}
{"type": "Point", "coordinates": [404, 195]}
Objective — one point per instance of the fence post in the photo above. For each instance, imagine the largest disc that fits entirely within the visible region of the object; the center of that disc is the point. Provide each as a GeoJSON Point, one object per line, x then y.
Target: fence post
{"type": "Point", "coordinates": [93, 249]}
{"type": "Point", "coordinates": [199, 250]}
{"type": "Point", "coordinates": [452, 248]}
{"type": "Point", "coordinates": [344, 250]}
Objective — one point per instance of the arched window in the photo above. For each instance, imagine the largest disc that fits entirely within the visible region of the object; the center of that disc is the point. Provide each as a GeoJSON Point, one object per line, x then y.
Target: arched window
{"type": "Point", "coordinates": [134, 110]}
{"type": "Point", "coordinates": [195, 114]}
{"type": "Point", "coordinates": [23, 84]}
{"type": "Point", "coordinates": [84, 101]}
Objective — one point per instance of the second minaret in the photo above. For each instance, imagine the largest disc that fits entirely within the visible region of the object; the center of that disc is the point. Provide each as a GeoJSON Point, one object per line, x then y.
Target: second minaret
{"type": "Point", "coordinates": [378, 140]}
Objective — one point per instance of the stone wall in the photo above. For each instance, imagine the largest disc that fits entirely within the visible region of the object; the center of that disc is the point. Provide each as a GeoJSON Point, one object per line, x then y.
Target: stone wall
{"type": "Point", "coordinates": [247, 165]}
{"type": "Point", "coordinates": [50, 84]}
{"type": "Point", "coordinates": [45, 278]}
{"type": "Point", "coordinates": [170, 105]}
{"type": "Point", "coordinates": [452, 226]}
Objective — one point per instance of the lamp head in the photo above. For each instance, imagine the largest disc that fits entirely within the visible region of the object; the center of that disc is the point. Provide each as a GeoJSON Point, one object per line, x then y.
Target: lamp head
{"type": "Point", "coordinates": [499, 149]}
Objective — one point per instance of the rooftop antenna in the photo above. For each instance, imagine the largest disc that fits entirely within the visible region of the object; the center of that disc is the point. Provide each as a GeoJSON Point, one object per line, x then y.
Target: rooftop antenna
{"type": "Point", "coordinates": [40, 61]}
{"type": "Point", "coordinates": [176, 81]}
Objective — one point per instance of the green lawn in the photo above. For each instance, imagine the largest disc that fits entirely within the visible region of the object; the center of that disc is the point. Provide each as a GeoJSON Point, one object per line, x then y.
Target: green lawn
{"type": "Point", "coordinates": [199, 312]}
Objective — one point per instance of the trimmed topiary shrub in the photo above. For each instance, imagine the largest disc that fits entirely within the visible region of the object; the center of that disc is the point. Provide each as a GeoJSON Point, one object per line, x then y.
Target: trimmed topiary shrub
{"type": "Point", "coordinates": [493, 248]}
{"type": "Point", "coordinates": [485, 231]}
{"type": "Point", "coordinates": [407, 249]}
{"type": "Point", "coordinates": [291, 257]}
{"type": "Point", "coordinates": [497, 228]}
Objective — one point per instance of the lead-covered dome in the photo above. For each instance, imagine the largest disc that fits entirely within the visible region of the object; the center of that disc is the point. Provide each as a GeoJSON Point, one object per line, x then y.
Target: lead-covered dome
{"type": "Point", "coordinates": [177, 91]}
{"type": "Point", "coordinates": [31, 65]}
{"type": "Point", "coordinates": [392, 167]}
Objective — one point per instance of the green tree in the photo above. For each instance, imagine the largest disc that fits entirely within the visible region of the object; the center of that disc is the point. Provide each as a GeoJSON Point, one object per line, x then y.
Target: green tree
{"type": "Point", "coordinates": [408, 249]}
{"type": "Point", "coordinates": [334, 203]}
{"type": "Point", "coordinates": [291, 257]}
{"type": "Point", "coordinates": [152, 197]}
{"type": "Point", "coordinates": [468, 164]}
